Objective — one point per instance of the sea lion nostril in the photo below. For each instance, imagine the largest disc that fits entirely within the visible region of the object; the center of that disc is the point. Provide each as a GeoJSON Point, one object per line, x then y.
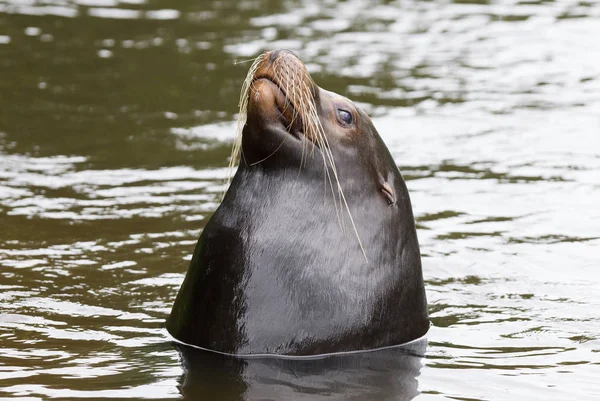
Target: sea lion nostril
{"type": "Point", "coordinates": [273, 56]}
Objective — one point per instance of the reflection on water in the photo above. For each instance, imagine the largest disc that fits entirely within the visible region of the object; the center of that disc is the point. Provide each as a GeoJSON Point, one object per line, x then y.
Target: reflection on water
{"type": "Point", "coordinates": [387, 374]}
{"type": "Point", "coordinates": [116, 121]}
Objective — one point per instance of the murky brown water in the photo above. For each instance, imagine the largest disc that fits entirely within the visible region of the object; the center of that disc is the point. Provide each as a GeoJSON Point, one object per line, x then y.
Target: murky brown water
{"type": "Point", "coordinates": [116, 121]}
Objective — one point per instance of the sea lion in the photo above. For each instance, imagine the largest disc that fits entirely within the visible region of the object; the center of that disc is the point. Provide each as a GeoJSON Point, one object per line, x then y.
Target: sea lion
{"type": "Point", "coordinates": [313, 249]}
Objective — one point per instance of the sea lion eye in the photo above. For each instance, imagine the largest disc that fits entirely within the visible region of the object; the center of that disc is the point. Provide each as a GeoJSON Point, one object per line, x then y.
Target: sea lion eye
{"type": "Point", "coordinates": [345, 116]}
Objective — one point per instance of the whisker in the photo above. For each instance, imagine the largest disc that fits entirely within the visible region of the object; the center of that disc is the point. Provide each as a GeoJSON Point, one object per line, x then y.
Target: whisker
{"type": "Point", "coordinates": [245, 61]}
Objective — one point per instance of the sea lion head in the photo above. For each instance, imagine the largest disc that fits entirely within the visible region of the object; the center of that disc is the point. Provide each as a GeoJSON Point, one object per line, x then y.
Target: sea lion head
{"type": "Point", "coordinates": [289, 122]}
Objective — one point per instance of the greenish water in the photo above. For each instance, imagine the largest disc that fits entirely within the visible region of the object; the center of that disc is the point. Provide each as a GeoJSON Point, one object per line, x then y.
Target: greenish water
{"type": "Point", "coordinates": [116, 122]}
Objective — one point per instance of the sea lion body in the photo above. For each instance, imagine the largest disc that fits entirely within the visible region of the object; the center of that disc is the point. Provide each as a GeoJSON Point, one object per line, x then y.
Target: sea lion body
{"type": "Point", "coordinates": [278, 269]}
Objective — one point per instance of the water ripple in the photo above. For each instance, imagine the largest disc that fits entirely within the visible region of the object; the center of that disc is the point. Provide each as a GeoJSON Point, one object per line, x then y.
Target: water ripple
{"type": "Point", "coordinates": [116, 135]}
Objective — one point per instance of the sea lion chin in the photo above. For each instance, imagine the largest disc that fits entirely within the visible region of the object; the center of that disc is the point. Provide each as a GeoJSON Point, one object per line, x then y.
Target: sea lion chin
{"type": "Point", "coordinates": [313, 249]}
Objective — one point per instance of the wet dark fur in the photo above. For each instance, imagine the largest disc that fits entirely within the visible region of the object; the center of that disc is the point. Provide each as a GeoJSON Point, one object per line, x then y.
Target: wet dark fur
{"type": "Point", "coordinates": [273, 272]}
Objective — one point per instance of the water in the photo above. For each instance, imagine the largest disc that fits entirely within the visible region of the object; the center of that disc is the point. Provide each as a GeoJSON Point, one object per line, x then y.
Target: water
{"type": "Point", "coordinates": [116, 121]}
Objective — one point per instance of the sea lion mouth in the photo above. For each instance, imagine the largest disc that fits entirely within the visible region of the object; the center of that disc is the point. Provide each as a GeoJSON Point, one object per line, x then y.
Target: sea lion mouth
{"type": "Point", "coordinates": [288, 114]}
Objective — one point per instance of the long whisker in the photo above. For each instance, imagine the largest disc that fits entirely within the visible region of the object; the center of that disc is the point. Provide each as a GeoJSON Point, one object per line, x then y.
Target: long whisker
{"type": "Point", "coordinates": [245, 61]}
{"type": "Point", "coordinates": [242, 115]}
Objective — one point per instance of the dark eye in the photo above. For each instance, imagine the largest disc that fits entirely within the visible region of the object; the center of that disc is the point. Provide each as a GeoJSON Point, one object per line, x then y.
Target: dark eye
{"type": "Point", "coordinates": [345, 116]}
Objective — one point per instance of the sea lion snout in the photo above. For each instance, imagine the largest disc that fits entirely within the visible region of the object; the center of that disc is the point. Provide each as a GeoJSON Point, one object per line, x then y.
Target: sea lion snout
{"type": "Point", "coordinates": [288, 72]}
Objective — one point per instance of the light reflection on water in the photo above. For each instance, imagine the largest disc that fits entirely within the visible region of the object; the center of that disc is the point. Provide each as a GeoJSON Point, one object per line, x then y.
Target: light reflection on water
{"type": "Point", "coordinates": [116, 120]}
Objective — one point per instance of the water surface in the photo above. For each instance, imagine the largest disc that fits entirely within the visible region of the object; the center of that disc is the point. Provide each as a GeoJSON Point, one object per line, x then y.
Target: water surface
{"type": "Point", "coordinates": [116, 123]}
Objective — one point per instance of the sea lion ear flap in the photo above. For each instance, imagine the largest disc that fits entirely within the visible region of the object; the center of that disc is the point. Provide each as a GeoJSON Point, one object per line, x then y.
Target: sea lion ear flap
{"type": "Point", "coordinates": [387, 191]}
